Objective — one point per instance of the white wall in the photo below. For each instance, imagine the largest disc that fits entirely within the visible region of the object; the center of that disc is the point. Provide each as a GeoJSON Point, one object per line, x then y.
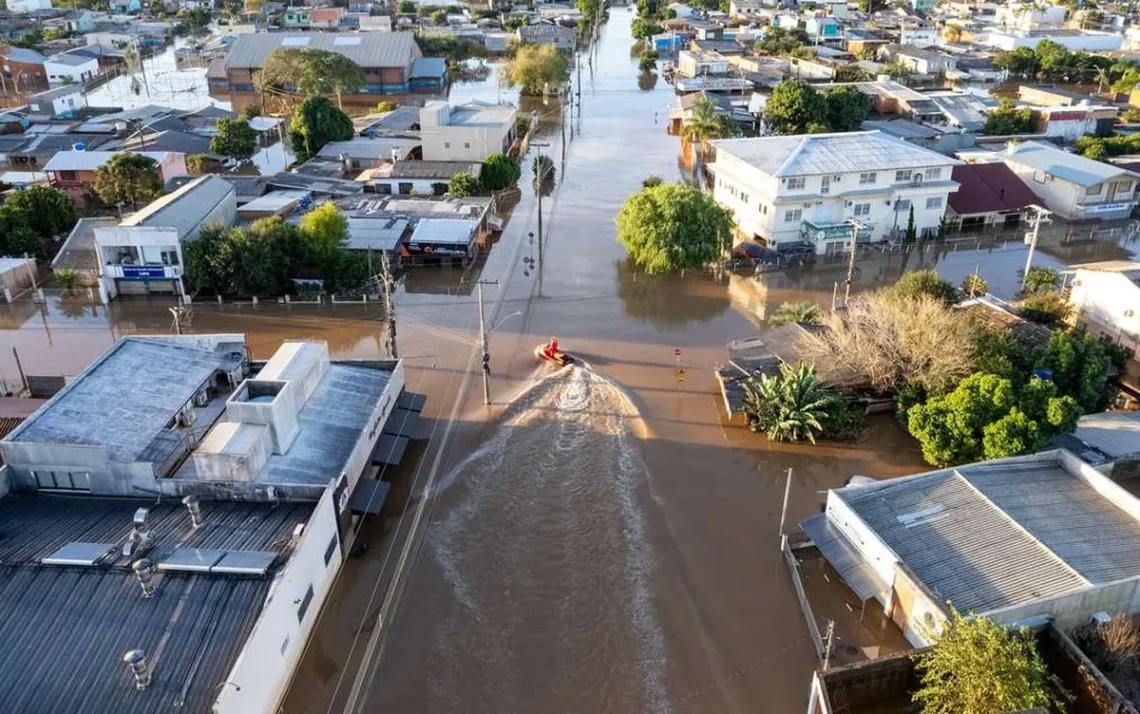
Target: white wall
{"type": "Point", "coordinates": [262, 671]}
{"type": "Point", "coordinates": [60, 73]}
{"type": "Point", "coordinates": [1057, 194]}
{"type": "Point", "coordinates": [1087, 41]}
{"type": "Point", "coordinates": [23, 6]}
{"type": "Point", "coordinates": [1108, 300]}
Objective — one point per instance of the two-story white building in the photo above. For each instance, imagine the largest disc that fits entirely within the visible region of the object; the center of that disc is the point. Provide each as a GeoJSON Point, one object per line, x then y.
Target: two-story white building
{"type": "Point", "coordinates": [1071, 185]}
{"type": "Point", "coordinates": [466, 132]}
{"type": "Point", "coordinates": [143, 254]}
{"type": "Point", "coordinates": [1106, 300]}
{"type": "Point", "coordinates": [70, 68]}
{"type": "Point", "coordinates": [816, 189]}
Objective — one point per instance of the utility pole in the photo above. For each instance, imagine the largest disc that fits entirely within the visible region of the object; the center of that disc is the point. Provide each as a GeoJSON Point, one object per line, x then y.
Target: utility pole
{"type": "Point", "coordinates": [539, 179]}
{"type": "Point", "coordinates": [389, 308]}
{"type": "Point", "coordinates": [483, 342]}
{"type": "Point", "coordinates": [855, 226]}
{"type": "Point", "coordinates": [828, 643]}
{"type": "Point", "coordinates": [784, 509]}
{"type": "Point", "coordinates": [1040, 214]}
{"type": "Point", "coordinates": [579, 101]}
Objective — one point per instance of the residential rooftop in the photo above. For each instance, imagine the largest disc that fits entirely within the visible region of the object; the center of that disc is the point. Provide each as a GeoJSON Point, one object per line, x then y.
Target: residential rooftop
{"type": "Point", "coordinates": [1063, 164]}
{"type": "Point", "coordinates": [985, 188]}
{"type": "Point", "coordinates": [92, 160]}
{"type": "Point", "coordinates": [849, 152]}
{"type": "Point", "coordinates": [184, 208]}
{"type": "Point", "coordinates": [479, 114]}
{"type": "Point", "coordinates": [366, 49]}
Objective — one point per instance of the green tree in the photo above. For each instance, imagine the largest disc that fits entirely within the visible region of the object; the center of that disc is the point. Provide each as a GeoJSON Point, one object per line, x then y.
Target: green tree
{"type": "Point", "coordinates": [310, 72]}
{"type": "Point", "coordinates": [642, 28]}
{"type": "Point", "coordinates": [406, 7]}
{"type": "Point", "coordinates": [463, 184]}
{"type": "Point", "coordinates": [922, 283]}
{"type": "Point", "coordinates": [1048, 308]}
{"type": "Point", "coordinates": [790, 406]}
{"type": "Point", "coordinates": [672, 227]}
{"type": "Point", "coordinates": [48, 212]}
{"type": "Point", "coordinates": [898, 71]}
{"type": "Point", "coordinates": [778, 41]}
{"type": "Point", "coordinates": [196, 18]}
{"type": "Point", "coordinates": [324, 233]}
{"type": "Point", "coordinates": [647, 63]}
{"type": "Point", "coordinates": [536, 68]}
{"type": "Point", "coordinates": [911, 229]}
{"type": "Point", "coordinates": [209, 264]}
{"type": "Point", "coordinates": [997, 352]}
{"type": "Point", "coordinates": [1080, 365]}
{"type": "Point", "coordinates": [499, 172]}
{"type": "Point", "coordinates": [439, 17]}
{"type": "Point", "coordinates": [852, 73]}
{"type": "Point", "coordinates": [316, 123]}
{"type": "Point", "coordinates": [978, 667]}
{"type": "Point", "coordinates": [127, 178]}
{"type": "Point", "coordinates": [847, 108]}
{"type": "Point", "coordinates": [974, 286]}
{"type": "Point", "coordinates": [1021, 61]}
{"type": "Point", "coordinates": [1127, 81]}
{"type": "Point", "coordinates": [1040, 279]}
{"type": "Point", "coordinates": [234, 138]}
{"type": "Point", "coordinates": [385, 106]}
{"type": "Point", "coordinates": [794, 107]}
{"type": "Point", "coordinates": [801, 313]}
{"type": "Point", "coordinates": [985, 417]}
{"type": "Point", "coordinates": [705, 124]}
{"type": "Point", "coordinates": [651, 180]}
{"type": "Point", "coordinates": [1008, 119]}
{"type": "Point", "coordinates": [198, 163]}
{"type": "Point", "coordinates": [16, 237]}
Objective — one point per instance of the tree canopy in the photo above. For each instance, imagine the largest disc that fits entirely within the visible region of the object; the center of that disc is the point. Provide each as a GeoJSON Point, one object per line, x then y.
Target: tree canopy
{"type": "Point", "coordinates": [671, 227]}
{"type": "Point", "coordinates": [127, 178]}
{"type": "Point", "coordinates": [324, 233]}
{"type": "Point", "coordinates": [499, 172]}
{"type": "Point", "coordinates": [1008, 119]}
{"type": "Point", "coordinates": [978, 667]}
{"type": "Point", "coordinates": [259, 261]}
{"type": "Point", "coordinates": [316, 123]}
{"type": "Point", "coordinates": [796, 107]}
{"type": "Point", "coordinates": [847, 108]}
{"type": "Point", "coordinates": [235, 138]}
{"type": "Point", "coordinates": [986, 418]}
{"type": "Point", "coordinates": [45, 211]}
{"type": "Point", "coordinates": [311, 72]}
{"type": "Point", "coordinates": [536, 68]}
{"type": "Point", "coordinates": [463, 184]}
{"type": "Point", "coordinates": [922, 283]}
{"type": "Point", "coordinates": [778, 41]}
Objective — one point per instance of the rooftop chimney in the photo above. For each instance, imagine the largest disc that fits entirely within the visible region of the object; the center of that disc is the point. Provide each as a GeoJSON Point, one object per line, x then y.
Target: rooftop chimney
{"type": "Point", "coordinates": [191, 502]}
{"type": "Point", "coordinates": [144, 571]}
{"type": "Point", "coordinates": [140, 539]}
{"type": "Point", "coordinates": [136, 660]}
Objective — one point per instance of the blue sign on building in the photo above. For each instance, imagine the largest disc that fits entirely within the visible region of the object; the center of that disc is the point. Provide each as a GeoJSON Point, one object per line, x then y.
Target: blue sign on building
{"type": "Point", "coordinates": [143, 272]}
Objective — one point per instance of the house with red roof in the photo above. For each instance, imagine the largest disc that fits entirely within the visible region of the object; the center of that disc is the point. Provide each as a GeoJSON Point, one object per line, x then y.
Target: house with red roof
{"type": "Point", "coordinates": [988, 196]}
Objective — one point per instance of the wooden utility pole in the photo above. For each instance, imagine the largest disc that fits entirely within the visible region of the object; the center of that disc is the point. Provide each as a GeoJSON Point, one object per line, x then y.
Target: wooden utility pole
{"type": "Point", "coordinates": [855, 226]}
{"type": "Point", "coordinates": [483, 341]}
{"type": "Point", "coordinates": [784, 508]}
{"type": "Point", "coordinates": [389, 307]}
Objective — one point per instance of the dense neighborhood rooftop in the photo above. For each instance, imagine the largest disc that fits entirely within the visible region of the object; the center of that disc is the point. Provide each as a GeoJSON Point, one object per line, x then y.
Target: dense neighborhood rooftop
{"type": "Point", "coordinates": [830, 153]}
{"type": "Point", "coordinates": [367, 49]}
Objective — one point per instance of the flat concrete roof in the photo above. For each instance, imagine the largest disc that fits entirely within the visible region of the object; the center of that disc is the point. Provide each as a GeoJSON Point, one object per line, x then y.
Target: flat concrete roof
{"type": "Point", "coordinates": [125, 398]}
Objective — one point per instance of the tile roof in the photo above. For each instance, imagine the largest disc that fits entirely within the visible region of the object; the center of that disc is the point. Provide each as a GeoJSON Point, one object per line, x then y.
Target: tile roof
{"type": "Point", "coordinates": [986, 188]}
{"type": "Point", "coordinates": [1062, 164]}
{"type": "Point", "coordinates": [986, 536]}
{"type": "Point", "coordinates": [367, 49]}
{"type": "Point", "coordinates": [831, 153]}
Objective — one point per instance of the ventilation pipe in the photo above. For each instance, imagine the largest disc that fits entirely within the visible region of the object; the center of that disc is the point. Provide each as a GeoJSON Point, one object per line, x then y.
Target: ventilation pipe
{"type": "Point", "coordinates": [140, 539]}
{"type": "Point", "coordinates": [144, 571]}
{"type": "Point", "coordinates": [136, 660]}
{"type": "Point", "coordinates": [191, 503]}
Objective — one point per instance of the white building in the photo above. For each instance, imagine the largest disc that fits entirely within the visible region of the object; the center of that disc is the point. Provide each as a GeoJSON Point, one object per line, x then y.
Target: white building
{"type": "Point", "coordinates": [682, 11]}
{"type": "Point", "coordinates": [696, 64]}
{"type": "Point", "coordinates": [814, 189]}
{"type": "Point", "coordinates": [744, 8]}
{"type": "Point", "coordinates": [1071, 185]}
{"type": "Point", "coordinates": [1029, 17]}
{"type": "Point", "coordinates": [60, 100]}
{"type": "Point", "coordinates": [20, 7]}
{"type": "Point", "coordinates": [1106, 300]}
{"type": "Point", "coordinates": [1084, 41]}
{"type": "Point", "coordinates": [466, 132]}
{"type": "Point", "coordinates": [69, 68]}
{"type": "Point", "coordinates": [1011, 539]}
{"type": "Point", "coordinates": [143, 254]}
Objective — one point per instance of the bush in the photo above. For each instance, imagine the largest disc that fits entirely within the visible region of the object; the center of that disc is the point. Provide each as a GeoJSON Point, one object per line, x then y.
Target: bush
{"type": "Point", "coordinates": [1079, 365]}
{"type": "Point", "coordinates": [499, 172]}
{"type": "Point", "coordinates": [1048, 308]}
{"type": "Point", "coordinates": [922, 283]}
{"type": "Point", "coordinates": [1114, 646]}
{"type": "Point", "coordinates": [1040, 279]}
{"type": "Point", "coordinates": [650, 181]}
{"type": "Point", "coordinates": [789, 406]}
{"type": "Point", "coordinates": [974, 286]}
{"type": "Point", "coordinates": [66, 278]}
{"type": "Point", "coordinates": [463, 184]}
{"type": "Point", "coordinates": [802, 313]}
{"type": "Point", "coordinates": [385, 106]}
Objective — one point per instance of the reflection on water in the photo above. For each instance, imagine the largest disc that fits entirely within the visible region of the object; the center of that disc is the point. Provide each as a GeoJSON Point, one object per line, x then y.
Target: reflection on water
{"type": "Point", "coordinates": [164, 85]}
{"type": "Point", "coordinates": [668, 302]}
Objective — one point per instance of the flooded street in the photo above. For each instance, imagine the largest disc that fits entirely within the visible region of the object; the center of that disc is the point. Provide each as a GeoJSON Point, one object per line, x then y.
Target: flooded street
{"type": "Point", "coordinates": [600, 538]}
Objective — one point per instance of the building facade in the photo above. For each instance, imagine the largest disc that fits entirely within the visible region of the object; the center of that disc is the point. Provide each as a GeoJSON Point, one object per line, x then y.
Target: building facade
{"type": "Point", "coordinates": [817, 190]}
{"type": "Point", "coordinates": [69, 68]}
{"type": "Point", "coordinates": [466, 132]}
{"type": "Point", "coordinates": [1073, 186]}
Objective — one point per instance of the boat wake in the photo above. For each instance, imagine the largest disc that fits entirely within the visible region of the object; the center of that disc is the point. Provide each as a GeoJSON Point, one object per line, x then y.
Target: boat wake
{"type": "Point", "coordinates": [544, 542]}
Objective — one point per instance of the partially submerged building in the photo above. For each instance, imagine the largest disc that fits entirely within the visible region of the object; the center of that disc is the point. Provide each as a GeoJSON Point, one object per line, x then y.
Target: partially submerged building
{"type": "Point", "coordinates": [175, 517]}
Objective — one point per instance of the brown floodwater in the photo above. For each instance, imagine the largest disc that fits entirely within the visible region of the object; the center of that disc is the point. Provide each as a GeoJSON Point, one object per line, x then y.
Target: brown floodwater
{"type": "Point", "coordinates": [600, 538]}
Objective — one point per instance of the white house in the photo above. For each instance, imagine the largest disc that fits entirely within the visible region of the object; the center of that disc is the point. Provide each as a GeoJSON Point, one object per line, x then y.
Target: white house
{"type": "Point", "coordinates": [682, 11]}
{"type": "Point", "coordinates": [1106, 300]}
{"type": "Point", "coordinates": [816, 189]}
{"type": "Point", "coordinates": [60, 100]}
{"type": "Point", "coordinates": [143, 254]}
{"type": "Point", "coordinates": [25, 6]}
{"type": "Point", "coordinates": [695, 64]}
{"type": "Point", "coordinates": [1084, 41]}
{"type": "Point", "coordinates": [744, 8]}
{"type": "Point", "coordinates": [1071, 185]}
{"type": "Point", "coordinates": [466, 132]}
{"type": "Point", "coordinates": [70, 68]}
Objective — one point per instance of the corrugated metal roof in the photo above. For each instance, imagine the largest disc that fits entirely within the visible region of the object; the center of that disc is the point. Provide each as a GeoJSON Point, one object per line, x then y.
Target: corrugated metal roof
{"type": "Point", "coordinates": [1064, 165]}
{"type": "Point", "coordinates": [961, 546]}
{"type": "Point", "coordinates": [1115, 434]}
{"type": "Point", "coordinates": [185, 208]}
{"type": "Point", "coordinates": [65, 629]}
{"type": "Point", "coordinates": [78, 251]}
{"type": "Point", "coordinates": [375, 233]}
{"type": "Point", "coordinates": [445, 230]}
{"type": "Point", "coordinates": [831, 153]}
{"type": "Point", "coordinates": [91, 160]}
{"type": "Point", "coordinates": [374, 49]}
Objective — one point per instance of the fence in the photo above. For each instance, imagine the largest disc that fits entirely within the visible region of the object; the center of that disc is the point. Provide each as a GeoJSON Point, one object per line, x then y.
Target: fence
{"type": "Point", "coordinates": [794, 569]}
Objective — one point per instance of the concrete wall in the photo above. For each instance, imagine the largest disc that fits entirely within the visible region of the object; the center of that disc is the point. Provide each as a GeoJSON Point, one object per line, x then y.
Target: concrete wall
{"type": "Point", "coordinates": [262, 671]}
{"type": "Point", "coordinates": [1109, 304]}
{"type": "Point", "coordinates": [1057, 194]}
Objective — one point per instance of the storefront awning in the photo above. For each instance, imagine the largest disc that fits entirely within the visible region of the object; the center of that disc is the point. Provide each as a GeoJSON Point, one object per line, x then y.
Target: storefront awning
{"type": "Point", "coordinates": [852, 568]}
{"type": "Point", "coordinates": [369, 496]}
{"type": "Point", "coordinates": [389, 450]}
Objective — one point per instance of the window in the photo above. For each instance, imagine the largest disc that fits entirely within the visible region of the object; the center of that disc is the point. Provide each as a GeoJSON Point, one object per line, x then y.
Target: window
{"type": "Point", "coordinates": [1094, 190]}
{"type": "Point", "coordinates": [825, 185]}
{"type": "Point", "coordinates": [903, 175]}
{"type": "Point", "coordinates": [763, 208]}
{"type": "Point", "coordinates": [405, 188]}
{"type": "Point", "coordinates": [934, 202]}
{"type": "Point", "coordinates": [467, 145]}
{"type": "Point", "coordinates": [304, 606]}
{"type": "Point", "coordinates": [794, 184]}
{"type": "Point", "coordinates": [933, 174]}
{"type": "Point", "coordinates": [384, 188]}
{"type": "Point", "coordinates": [862, 209]}
{"type": "Point", "coordinates": [744, 197]}
{"type": "Point", "coordinates": [902, 205]}
{"type": "Point", "coordinates": [792, 215]}
{"type": "Point", "coordinates": [331, 549]}
{"type": "Point", "coordinates": [868, 178]}
{"type": "Point", "coordinates": [447, 144]}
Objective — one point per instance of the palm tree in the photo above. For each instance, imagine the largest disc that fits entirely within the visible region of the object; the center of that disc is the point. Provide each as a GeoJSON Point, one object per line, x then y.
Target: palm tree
{"type": "Point", "coordinates": [788, 406]}
{"type": "Point", "coordinates": [801, 313]}
{"type": "Point", "coordinates": [702, 126]}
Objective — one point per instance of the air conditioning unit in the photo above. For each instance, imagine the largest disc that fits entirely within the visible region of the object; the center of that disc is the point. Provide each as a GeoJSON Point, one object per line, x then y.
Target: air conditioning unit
{"type": "Point", "coordinates": [187, 418]}
{"type": "Point", "coordinates": [201, 398]}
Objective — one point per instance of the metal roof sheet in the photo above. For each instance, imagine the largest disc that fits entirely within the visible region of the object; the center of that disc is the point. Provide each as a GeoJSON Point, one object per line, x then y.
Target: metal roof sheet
{"type": "Point", "coordinates": [847, 152]}
{"type": "Point", "coordinates": [183, 209]}
{"type": "Point", "coordinates": [1062, 164]}
{"type": "Point", "coordinates": [91, 160]}
{"type": "Point", "coordinates": [459, 231]}
{"type": "Point", "coordinates": [375, 49]}
{"type": "Point", "coordinates": [1115, 434]}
